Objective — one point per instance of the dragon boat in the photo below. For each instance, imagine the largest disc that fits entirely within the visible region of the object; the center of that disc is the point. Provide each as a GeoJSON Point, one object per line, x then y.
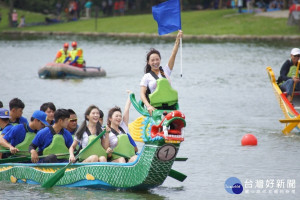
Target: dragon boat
{"type": "Point", "coordinates": [161, 134]}
{"type": "Point", "coordinates": [290, 110]}
{"type": "Point", "coordinates": [61, 71]}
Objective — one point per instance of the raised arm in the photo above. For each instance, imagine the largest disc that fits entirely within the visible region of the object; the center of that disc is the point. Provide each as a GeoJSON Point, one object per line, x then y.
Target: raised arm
{"type": "Point", "coordinates": [126, 109]}
{"type": "Point", "coordinates": [175, 49]}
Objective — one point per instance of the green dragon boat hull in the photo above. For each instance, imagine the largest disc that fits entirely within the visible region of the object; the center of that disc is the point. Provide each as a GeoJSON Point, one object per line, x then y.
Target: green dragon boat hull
{"type": "Point", "coordinates": [146, 172]}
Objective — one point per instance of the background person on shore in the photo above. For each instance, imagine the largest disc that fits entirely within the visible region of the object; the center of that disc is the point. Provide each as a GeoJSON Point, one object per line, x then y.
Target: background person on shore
{"type": "Point", "coordinates": [88, 6]}
{"type": "Point", "coordinates": [14, 18]}
{"type": "Point", "coordinates": [288, 75]}
{"type": "Point", "coordinates": [22, 21]}
{"type": "Point", "coordinates": [240, 5]}
{"type": "Point", "coordinates": [62, 55]}
{"type": "Point", "coordinates": [153, 71]}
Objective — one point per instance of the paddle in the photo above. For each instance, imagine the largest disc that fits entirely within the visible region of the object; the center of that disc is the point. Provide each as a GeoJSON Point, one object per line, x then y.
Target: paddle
{"type": "Point", "coordinates": [289, 120]}
{"type": "Point", "coordinates": [181, 159]}
{"type": "Point", "coordinates": [173, 173]}
{"type": "Point", "coordinates": [24, 158]}
{"type": "Point", "coordinates": [177, 175]}
{"type": "Point", "coordinates": [294, 86]}
{"type": "Point", "coordinates": [60, 173]}
{"type": "Point", "coordinates": [289, 128]}
{"type": "Point", "coordinates": [8, 151]}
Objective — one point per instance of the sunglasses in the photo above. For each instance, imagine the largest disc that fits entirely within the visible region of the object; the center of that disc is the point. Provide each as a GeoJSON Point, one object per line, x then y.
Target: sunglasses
{"type": "Point", "coordinates": [297, 56]}
{"type": "Point", "coordinates": [73, 120]}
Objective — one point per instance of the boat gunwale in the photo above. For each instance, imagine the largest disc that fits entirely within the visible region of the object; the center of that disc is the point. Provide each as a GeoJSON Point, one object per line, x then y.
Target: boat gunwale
{"type": "Point", "coordinates": [79, 164]}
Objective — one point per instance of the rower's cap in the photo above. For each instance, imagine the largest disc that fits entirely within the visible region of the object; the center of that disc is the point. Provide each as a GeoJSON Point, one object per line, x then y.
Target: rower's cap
{"type": "Point", "coordinates": [40, 115]}
{"type": "Point", "coordinates": [4, 113]}
{"type": "Point", "coordinates": [66, 45]}
{"type": "Point", "coordinates": [295, 51]}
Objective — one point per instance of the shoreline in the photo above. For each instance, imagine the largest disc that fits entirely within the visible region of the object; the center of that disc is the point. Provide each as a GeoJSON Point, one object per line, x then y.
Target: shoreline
{"type": "Point", "coordinates": [237, 38]}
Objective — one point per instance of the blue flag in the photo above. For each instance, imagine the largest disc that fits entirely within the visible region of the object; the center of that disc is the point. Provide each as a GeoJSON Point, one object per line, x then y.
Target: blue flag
{"type": "Point", "coordinates": [167, 15]}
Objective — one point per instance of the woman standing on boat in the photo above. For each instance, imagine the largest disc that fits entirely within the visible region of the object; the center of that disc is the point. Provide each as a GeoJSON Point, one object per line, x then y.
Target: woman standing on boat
{"type": "Point", "coordinates": [84, 134]}
{"type": "Point", "coordinates": [153, 71]}
{"type": "Point", "coordinates": [120, 140]}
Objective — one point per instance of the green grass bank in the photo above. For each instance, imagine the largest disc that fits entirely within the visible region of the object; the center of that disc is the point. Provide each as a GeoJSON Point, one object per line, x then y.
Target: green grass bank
{"type": "Point", "coordinates": [208, 23]}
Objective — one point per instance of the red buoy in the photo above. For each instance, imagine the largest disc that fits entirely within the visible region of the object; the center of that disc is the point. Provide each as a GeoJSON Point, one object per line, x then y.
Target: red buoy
{"type": "Point", "coordinates": [249, 139]}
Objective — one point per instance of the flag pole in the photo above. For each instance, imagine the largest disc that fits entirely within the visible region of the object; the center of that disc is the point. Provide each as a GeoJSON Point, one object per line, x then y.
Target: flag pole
{"type": "Point", "coordinates": [180, 56]}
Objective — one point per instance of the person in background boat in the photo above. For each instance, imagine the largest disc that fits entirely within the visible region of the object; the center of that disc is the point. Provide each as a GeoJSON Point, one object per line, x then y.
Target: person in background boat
{"type": "Point", "coordinates": [154, 71]}
{"type": "Point", "coordinates": [52, 138]}
{"type": "Point", "coordinates": [92, 115]}
{"type": "Point", "coordinates": [16, 107]}
{"type": "Point", "coordinates": [62, 55]}
{"type": "Point", "coordinates": [288, 76]}
{"type": "Point", "coordinates": [17, 134]}
{"type": "Point", "coordinates": [119, 126]}
{"type": "Point", "coordinates": [76, 56]}
{"type": "Point", "coordinates": [49, 108]}
{"type": "Point", "coordinates": [72, 125]}
{"type": "Point", "coordinates": [4, 122]}
{"type": "Point", "coordinates": [1, 104]}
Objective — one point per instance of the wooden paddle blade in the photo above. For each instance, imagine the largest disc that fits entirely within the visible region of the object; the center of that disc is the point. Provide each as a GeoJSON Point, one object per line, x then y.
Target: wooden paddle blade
{"type": "Point", "coordinates": [55, 177]}
{"type": "Point", "coordinates": [177, 175]}
{"type": "Point", "coordinates": [289, 128]}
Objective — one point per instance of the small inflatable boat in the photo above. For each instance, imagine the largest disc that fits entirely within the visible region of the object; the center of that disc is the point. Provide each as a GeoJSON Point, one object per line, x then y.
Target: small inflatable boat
{"type": "Point", "coordinates": [60, 71]}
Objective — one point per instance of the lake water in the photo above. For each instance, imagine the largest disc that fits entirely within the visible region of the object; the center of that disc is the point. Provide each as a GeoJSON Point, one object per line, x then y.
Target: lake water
{"type": "Point", "coordinates": [224, 93]}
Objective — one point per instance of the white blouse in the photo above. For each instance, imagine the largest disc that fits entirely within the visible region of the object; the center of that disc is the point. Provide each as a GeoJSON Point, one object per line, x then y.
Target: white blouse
{"type": "Point", "coordinates": [84, 140]}
{"type": "Point", "coordinates": [113, 139]}
{"type": "Point", "coordinates": [149, 80]}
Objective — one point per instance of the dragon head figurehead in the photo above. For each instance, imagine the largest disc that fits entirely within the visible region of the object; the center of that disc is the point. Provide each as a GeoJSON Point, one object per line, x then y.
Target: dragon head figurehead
{"type": "Point", "coordinates": [170, 127]}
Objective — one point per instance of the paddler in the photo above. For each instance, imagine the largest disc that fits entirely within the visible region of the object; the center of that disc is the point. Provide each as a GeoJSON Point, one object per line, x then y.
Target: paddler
{"type": "Point", "coordinates": [76, 56]}
{"type": "Point", "coordinates": [52, 139]}
{"type": "Point", "coordinates": [62, 55]}
{"type": "Point", "coordinates": [17, 134]}
{"type": "Point", "coordinates": [288, 75]}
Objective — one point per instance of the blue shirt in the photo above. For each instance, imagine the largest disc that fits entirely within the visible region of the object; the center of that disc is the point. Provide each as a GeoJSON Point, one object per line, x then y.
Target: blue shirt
{"type": "Point", "coordinates": [16, 134]}
{"type": "Point", "coordinates": [44, 138]}
{"type": "Point", "coordinates": [6, 129]}
{"type": "Point", "coordinates": [20, 120]}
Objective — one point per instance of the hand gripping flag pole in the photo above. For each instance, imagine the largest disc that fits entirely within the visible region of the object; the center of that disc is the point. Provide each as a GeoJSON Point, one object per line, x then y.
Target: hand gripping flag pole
{"type": "Point", "coordinates": [168, 18]}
